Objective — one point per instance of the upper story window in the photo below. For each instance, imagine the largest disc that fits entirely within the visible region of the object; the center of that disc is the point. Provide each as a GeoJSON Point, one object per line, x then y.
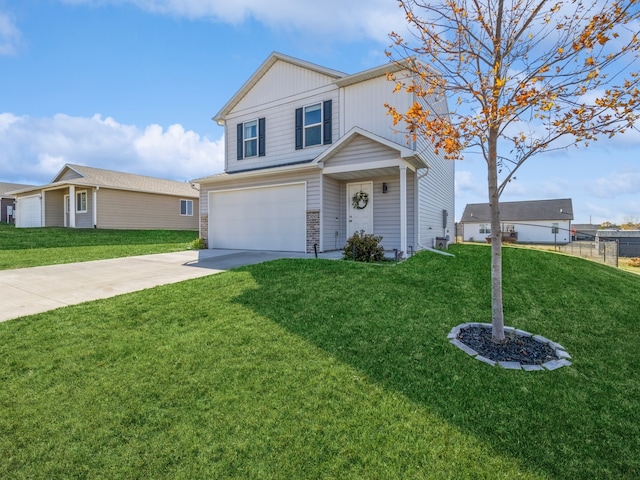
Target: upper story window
{"type": "Point", "coordinates": [251, 138]}
{"type": "Point", "coordinates": [81, 201]}
{"type": "Point", "coordinates": [313, 125]}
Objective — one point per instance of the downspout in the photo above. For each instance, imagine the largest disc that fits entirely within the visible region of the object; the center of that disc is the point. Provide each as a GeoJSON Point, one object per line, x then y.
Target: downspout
{"type": "Point", "coordinates": [423, 247]}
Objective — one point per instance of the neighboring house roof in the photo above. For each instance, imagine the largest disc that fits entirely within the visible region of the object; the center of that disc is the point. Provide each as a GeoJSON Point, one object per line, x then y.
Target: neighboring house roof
{"type": "Point", "coordinates": [618, 233]}
{"type": "Point", "coordinates": [585, 226]}
{"type": "Point", "coordinates": [532, 210]}
{"type": "Point", "coordinates": [5, 188]}
{"type": "Point", "coordinates": [98, 177]}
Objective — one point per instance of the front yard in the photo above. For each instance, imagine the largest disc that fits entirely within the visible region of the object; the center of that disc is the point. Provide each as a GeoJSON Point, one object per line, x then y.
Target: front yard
{"type": "Point", "coordinates": [31, 247]}
{"type": "Point", "coordinates": [328, 369]}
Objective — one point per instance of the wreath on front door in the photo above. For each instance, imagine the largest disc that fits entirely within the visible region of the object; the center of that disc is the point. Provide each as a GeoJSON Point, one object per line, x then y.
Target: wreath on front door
{"type": "Point", "coordinates": [360, 200]}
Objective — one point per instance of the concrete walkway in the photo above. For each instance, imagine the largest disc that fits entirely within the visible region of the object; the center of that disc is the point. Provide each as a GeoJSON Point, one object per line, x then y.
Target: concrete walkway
{"type": "Point", "coordinates": [26, 291]}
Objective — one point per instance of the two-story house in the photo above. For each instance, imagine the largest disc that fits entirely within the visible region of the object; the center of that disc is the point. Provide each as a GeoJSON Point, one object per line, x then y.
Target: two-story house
{"type": "Point", "coordinates": [312, 156]}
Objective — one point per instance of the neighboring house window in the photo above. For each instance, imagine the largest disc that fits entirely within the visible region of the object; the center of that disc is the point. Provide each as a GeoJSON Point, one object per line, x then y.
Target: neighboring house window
{"type": "Point", "coordinates": [485, 228]}
{"type": "Point", "coordinates": [251, 139]}
{"type": "Point", "coordinates": [81, 202]}
{"type": "Point", "coordinates": [555, 228]}
{"type": "Point", "coordinates": [313, 125]}
{"type": "Point", "coordinates": [186, 207]}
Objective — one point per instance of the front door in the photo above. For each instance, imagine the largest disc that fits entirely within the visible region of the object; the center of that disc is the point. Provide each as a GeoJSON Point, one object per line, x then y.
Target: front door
{"type": "Point", "coordinates": [359, 207]}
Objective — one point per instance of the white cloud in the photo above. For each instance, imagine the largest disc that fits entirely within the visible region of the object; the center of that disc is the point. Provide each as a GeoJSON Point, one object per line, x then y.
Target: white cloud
{"type": "Point", "coordinates": [10, 36]}
{"type": "Point", "coordinates": [35, 149]}
{"type": "Point", "coordinates": [468, 185]}
{"type": "Point", "coordinates": [354, 19]}
{"type": "Point", "coordinates": [616, 184]}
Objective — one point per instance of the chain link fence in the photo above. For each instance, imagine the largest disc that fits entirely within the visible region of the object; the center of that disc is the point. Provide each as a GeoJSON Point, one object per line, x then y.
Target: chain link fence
{"type": "Point", "coordinates": [603, 251]}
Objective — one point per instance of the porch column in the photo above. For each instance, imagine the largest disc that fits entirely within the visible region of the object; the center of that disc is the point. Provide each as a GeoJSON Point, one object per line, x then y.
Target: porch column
{"type": "Point", "coordinates": [95, 206]}
{"type": "Point", "coordinates": [403, 209]}
{"type": "Point", "coordinates": [72, 206]}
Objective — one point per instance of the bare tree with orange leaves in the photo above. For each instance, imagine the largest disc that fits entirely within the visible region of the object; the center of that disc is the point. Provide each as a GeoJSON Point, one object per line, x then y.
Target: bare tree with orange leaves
{"type": "Point", "coordinates": [527, 76]}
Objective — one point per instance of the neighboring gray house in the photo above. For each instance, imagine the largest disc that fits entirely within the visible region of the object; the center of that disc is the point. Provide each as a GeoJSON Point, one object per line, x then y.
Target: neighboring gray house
{"type": "Point", "coordinates": [535, 221]}
{"type": "Point", "coordinates": [8, 201]}
{"type": "Point", "coordinates": [628, 241]}
{"type": "Point", "coordinates": [87, 197]}
{"type": "Point", "coordinates": [583, 232]}
{"type": "Point", "coordinates": [312, 156]}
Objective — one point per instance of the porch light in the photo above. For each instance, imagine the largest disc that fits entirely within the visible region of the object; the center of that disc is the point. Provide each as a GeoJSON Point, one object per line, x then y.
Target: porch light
{"type": "Point", "coordinates": [384, 187]}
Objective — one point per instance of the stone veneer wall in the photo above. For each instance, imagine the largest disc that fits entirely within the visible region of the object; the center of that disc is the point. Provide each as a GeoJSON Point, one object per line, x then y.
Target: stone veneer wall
{"type": "Point", "coordinates": [204, 229]}
{"type": "Point", "coordinates": [313, 229]}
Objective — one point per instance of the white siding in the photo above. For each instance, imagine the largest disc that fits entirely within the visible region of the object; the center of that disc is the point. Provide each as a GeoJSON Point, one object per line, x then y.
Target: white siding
{"type": "Point", "coordinates": [333, 214]}
{"type": "Point", "coordinates": [283, 80]}
{"type": "Point", "coordinates": [364, 107]}
{"type": "Point", "coordinates": [528, 231]}
{"type": "Point", "coordinates": [275, 98]}
{"type": "Point", "coordinates": [386, 211]}
{"type": "Point", "coordinates": [361, 150]}
{"type": "Point", "coordinates": [436, 186]}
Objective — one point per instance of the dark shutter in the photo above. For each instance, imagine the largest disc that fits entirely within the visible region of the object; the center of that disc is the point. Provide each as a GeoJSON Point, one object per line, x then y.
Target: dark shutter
{"type": "Point", "coordinates": [298, 128]}
{"type": "Point", "coordinates": [240, 146]}
{"type": "Point", "coordinates": [326, 115]}
{"type": "Point", "coordinates": [261, 137]}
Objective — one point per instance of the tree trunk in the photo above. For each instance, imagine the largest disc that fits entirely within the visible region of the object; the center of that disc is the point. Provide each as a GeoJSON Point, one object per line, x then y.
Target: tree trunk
{"type": "Point", "coordinates": [497, 315]}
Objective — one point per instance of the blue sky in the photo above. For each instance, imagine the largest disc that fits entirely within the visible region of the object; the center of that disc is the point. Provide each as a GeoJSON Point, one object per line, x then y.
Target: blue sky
{"type": "Point", "coordinates": [131, 85]}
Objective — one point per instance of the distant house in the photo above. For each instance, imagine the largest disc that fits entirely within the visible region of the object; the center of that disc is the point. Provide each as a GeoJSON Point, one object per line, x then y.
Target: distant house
{"type": "Point", "coordinates": [583, 232]}
{"type": "Point", "coordinates": [312, 157]}
{"type": "Point", "coordinates": [628, 241]}
{"type": "Point", "coordinates": [8, 201]}
{"type": "Point", "coordinates": [535, 221]}
{"type": "Point", "coordinates": [86, 197]}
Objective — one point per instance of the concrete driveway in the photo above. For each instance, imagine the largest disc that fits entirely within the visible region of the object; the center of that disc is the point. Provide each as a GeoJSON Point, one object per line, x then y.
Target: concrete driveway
{"type": "Point", "coordinates": [27, 291]}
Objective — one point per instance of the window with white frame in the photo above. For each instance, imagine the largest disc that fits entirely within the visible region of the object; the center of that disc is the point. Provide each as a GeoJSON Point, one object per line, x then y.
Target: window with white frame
{"type": "Point", "coordinates": [555, 228]}
{"type": "Point", "coordinates": [186, 208]}
{"type": "Point", "coordinates": [485, 228]}
{"type": "Point", "coordinates": [81, 201]}
{"type": "Point", "coordinates": [250, 138]}
{"type": "Point", "coordinates": [313, 125]}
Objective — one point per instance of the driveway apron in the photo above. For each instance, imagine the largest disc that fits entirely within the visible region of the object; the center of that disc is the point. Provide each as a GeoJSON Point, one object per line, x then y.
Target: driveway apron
{"type": "Point", "coordinates": [27, 291]}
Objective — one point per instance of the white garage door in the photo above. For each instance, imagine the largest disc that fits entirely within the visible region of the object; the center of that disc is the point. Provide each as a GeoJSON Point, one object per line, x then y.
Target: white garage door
{"type": "Point", "coordinates": [265, 218]}
{"type": "Point", "coordinates": [29, 211]}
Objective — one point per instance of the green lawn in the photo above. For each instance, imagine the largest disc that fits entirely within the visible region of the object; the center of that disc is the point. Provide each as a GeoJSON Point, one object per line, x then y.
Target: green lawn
{"type": "Point", "coordinates": [311, 369]}
{"type": "Point", "coordinates": [30, 247]}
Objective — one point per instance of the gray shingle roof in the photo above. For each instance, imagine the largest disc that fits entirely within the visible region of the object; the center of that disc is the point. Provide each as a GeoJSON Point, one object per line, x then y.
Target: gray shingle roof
{"type": "Point", "coordinates": [131, 181]}
{"type": "Point", "coordinates": [532, 210]}
{"type": "Point", "coordinates": [98, 177]}
{"type": "Point", "coordinates": [8, 187]}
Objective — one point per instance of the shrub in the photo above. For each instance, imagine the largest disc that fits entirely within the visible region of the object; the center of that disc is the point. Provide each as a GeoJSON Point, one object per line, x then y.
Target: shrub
{"type": "Point", "coordinates": [197, 244]}
{"type": "Point", "coordinates": [367, 247]}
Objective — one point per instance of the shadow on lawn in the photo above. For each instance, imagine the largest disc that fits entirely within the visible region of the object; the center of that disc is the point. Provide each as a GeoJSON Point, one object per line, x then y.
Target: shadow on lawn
{"type": "Point", "coordinates": [391, 324]}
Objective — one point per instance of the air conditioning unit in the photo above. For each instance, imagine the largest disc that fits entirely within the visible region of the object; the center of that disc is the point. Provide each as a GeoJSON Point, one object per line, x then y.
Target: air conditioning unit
{"type": "Point", "coordinates": [441, 242]}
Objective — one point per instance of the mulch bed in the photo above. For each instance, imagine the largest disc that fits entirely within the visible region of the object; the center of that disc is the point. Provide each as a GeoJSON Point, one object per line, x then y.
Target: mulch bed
{"type": "Point", "coordinates": [515, 348]}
